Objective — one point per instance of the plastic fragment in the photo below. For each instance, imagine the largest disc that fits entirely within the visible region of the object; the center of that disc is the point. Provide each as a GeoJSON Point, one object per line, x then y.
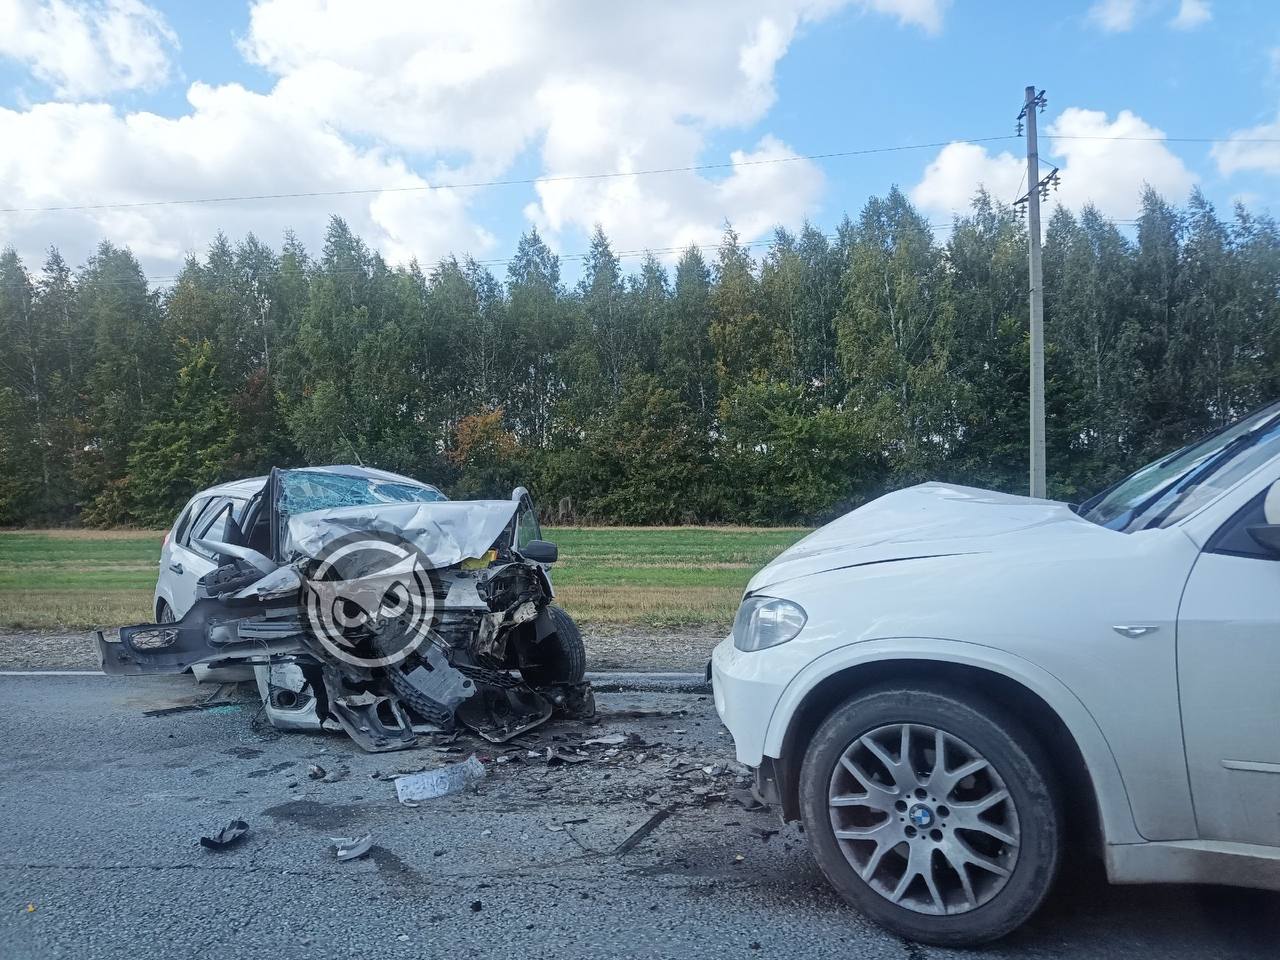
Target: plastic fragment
{"type": "Point", "coordinates": [225, 837]}
{"type": "Point", "coordinates": [558, 755]}
{"type": "Point", "coordinates": [437, 783]}
{"type": "Point", "coordinates": [612, 740]}
{"type": "Point", "coordinates": [352, 848]}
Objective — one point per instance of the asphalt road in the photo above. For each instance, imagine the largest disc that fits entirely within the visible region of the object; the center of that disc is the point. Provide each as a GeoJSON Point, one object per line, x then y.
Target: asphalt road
{"type": "Point", "coordinates": [101, 808]}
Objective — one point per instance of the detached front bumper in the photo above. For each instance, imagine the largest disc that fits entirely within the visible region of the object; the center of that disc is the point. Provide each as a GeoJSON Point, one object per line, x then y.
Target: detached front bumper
{"type": "Point", "coordinates": [747, 687]}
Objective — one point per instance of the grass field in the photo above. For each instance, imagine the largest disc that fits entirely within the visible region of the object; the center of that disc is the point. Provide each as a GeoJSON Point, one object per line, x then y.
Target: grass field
{"type": "Point", "coordinates": [659, 576]}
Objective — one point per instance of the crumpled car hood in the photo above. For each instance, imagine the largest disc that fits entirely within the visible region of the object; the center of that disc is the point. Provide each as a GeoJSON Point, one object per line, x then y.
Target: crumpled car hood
{"type": "Point", "coordinates": [928, 520]}
{"type": "Point", "coordinates": [446, 532]}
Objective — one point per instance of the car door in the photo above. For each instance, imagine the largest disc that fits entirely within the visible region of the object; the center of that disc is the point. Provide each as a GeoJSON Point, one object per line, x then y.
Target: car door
{"type": "Point", "coordinates": [1229, 682]}
{"type": "Point", "coordinates": [189, 562]}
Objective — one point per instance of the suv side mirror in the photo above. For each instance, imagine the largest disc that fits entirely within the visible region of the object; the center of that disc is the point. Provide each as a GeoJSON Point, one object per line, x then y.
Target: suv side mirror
{"type": "Point", "coordinates": [1267, 535]}
{"type": "Point", "coordinates": [544, 551]}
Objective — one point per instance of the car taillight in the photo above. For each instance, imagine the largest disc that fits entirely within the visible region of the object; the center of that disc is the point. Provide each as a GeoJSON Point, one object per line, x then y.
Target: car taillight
{"type": "Point", "coordinates": [166, 539]}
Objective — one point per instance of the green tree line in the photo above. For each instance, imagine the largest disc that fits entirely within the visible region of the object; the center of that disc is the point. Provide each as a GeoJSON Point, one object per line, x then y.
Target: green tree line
{"type": "Point", "coordinates": [781, 388]}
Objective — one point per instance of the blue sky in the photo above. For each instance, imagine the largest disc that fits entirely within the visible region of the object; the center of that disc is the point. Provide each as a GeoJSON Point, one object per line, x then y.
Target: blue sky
{"type": "Point", "coordinates": [121, 101]}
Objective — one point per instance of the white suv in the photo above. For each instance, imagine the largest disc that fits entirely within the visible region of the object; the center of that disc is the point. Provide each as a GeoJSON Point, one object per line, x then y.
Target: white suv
{"type": "Point", "coordinates": [951, 688]}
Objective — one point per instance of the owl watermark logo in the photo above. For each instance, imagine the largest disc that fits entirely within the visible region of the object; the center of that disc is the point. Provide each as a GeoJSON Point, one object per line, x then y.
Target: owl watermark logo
{"type": "Point", "coordinates": [371, 599]}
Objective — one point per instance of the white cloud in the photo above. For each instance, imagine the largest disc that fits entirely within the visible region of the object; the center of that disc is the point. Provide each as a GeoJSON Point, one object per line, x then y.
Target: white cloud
{"type": "Point", "coordinates": [1120, 16]}
{"type": "Point", "coordinates": [1191, 14]}
{"type": "Point", "coordinates": [1114, 16]}
{"type": "Point", "coordinates": [755, 196]}
{"type": "Point", "coordinates": [960, 169]}
{"type": "Point", "coordinates": [446, 94]}
{"type": "Point", "coordinates": [921, 13]}
{"type": "Point", "coordinates": [233, 142]}
{"type": "Point", "coordinates": [1104, 162]}
{"type": "Point", "coordinates": [593, 87]}
{"type": "Point", "coordinates": [1237, 155]}
{"type": "Point", "coordinates": [84, 50]}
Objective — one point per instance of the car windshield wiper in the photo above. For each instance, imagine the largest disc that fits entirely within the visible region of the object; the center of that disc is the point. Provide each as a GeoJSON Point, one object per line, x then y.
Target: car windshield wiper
{"type": "Point", "coordinates": [1088, 506]}
{"type": "Point", "coordinates": [1199, 474]}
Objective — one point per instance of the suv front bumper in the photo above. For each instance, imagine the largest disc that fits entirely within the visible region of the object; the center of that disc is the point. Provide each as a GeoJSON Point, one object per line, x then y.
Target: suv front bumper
{"type": "Point", "coordinates": [746, 693]}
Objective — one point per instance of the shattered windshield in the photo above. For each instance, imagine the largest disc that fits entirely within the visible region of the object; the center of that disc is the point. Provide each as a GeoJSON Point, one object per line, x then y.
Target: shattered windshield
{"type": "Point", "coordinates": [302, 491]}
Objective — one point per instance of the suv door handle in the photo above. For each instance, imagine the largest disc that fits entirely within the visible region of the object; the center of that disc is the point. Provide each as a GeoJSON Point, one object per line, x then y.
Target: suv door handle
{"type": "Point", "coordinates": [175, 567]}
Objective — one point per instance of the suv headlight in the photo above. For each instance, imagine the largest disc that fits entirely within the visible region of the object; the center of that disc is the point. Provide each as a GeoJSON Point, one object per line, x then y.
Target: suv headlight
{"type": "Point", "coordinates": [766, 622]}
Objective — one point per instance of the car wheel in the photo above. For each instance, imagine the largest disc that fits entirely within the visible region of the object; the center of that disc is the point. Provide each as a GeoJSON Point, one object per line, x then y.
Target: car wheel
{"type": "Point", "coordinates": [164, 613]}
{"type": "Point", "coordinates": [933, 812]}
{"type": "Point", "coordinates": [558, 658]}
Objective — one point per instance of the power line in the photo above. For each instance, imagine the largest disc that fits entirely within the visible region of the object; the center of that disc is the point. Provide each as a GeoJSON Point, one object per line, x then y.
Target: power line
{"type": "Point", "coordinates": [1057, 136]}
{"type": "Point", "coordinates": [559, 178]}
{"type": "Point", "coordinates": [564, 178]}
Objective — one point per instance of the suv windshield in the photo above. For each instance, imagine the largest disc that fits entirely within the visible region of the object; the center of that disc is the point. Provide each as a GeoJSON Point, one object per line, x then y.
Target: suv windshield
{"type": "Point", "coordinates": [1175, 485]}
{"type": "Point", "coordinates": [302, 491]}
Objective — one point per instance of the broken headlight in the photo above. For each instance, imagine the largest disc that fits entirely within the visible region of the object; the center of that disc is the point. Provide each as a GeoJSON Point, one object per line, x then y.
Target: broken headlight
{"type": "Point", "coordinates": [766, 622]}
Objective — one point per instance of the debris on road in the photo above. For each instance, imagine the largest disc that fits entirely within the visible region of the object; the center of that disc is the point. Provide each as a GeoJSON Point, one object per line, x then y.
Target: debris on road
{"type": "Point", "coordinates": [612, 740]}
{"type": "Point", "coordinates": [744, 798]}
{"type": "Point", "coordinates": [556, 755]}
{"type": "Point", "coordinates": [430, 784]}
{"type": "Point", "coordinates": [352, 848]}
{"type": "Point", "coordinates": [639, 833]}
{"type": "Point", "coordinates": [225, 697]}
{"type": "Point", "coordinates": [225, 837]}
{"type": "Point", "coordinates": [316, 772]}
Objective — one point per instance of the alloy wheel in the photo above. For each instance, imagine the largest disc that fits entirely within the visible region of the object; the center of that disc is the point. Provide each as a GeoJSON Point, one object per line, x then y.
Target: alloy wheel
{"type": "Point", "coordinates": [924, 819]}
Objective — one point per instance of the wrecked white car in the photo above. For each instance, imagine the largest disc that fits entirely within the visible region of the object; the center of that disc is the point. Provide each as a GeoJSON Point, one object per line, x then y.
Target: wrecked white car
{"type": "Point", "coordinates": [368, 602]}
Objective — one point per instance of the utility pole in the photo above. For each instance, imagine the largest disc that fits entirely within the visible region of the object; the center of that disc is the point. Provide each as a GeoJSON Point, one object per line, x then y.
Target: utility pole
{"type": "Point", "coordinates": [1037, 188]}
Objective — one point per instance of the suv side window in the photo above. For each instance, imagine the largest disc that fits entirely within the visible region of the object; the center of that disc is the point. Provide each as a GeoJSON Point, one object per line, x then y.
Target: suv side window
{"type": "Point", "coordinates": [1233, 536]}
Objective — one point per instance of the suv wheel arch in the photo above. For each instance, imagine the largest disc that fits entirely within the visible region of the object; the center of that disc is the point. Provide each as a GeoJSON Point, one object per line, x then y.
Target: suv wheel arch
{"type": "Point", "coordinates": [1084, 818]}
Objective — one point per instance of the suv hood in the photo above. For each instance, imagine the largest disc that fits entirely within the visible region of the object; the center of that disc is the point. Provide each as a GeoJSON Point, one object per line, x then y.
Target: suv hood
{"type": "Point", "coordinates": [928, 520]}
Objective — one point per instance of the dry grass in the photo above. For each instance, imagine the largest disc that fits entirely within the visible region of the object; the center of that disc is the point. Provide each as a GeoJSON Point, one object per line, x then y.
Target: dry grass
{"type": "Point", "coordinates": [725, 528]}
{"type": "Point", "coordinates": [710, 607]}
{"type": "Point", "coordinates": [713, 607]}
{"type": "Point", "coordinates": [685, 577]}
{"type": "Point", "coordinates": [73, 609]}
{"type": "Point", "coordinates": [81, 533]}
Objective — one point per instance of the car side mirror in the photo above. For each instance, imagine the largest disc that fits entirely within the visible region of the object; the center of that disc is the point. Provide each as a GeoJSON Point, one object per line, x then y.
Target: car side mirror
{"type": "Point", "coordinates": [540, 551]}
{"type": "Point", "coordinates": [1271, 504]}
{"type": "Point", "coordinates": [1267, 535]}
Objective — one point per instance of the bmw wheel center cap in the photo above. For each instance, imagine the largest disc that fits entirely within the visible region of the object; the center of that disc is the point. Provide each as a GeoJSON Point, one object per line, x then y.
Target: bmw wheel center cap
{"type": "Point", "coordinates": [920, 816]}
